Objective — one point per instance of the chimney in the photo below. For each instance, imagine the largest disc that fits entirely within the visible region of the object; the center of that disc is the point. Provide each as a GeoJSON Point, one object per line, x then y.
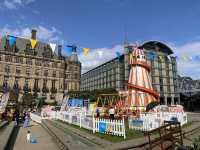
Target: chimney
{"type": "Point", "coordinates": [59, 50]}
{"type": "Point", "coordinates": [33, 34]}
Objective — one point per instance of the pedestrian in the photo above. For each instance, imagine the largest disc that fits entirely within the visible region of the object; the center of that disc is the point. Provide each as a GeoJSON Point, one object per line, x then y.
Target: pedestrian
{"type": "Point", "coordinates": [27, 121]}
{"type": "Point", "coordinates": [112, 113]}
{"type": "Point", "coordinates": [28, 136]}
{"type": "Point", "coordinates": [97, 112]}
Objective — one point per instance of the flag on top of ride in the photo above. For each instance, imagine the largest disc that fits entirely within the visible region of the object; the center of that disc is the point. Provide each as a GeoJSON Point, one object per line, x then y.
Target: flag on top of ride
{"type": "Point", "coordinates": [12, 40]}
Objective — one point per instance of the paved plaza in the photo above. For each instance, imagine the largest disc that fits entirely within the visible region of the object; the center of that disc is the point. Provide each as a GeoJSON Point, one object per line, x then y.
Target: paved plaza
{"type": "Point", "coordinates": [44, 140]}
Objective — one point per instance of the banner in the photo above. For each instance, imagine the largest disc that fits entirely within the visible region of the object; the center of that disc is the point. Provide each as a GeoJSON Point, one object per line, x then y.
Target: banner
{"type": "Point", "coordinates": [12, 40]}
{"type": "Point", "coordinates": [33, 43]}
{"type": "Point", "coordinates": [53, 46]}
{"type": "Point", "coordinates": [102, 127]}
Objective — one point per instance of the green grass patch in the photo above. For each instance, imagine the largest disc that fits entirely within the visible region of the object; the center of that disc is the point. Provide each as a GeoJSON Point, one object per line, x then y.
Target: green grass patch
{"type": "Point", "coordinates": [188, 124]}
{"type": "Point", "coordinates": [130, 134]}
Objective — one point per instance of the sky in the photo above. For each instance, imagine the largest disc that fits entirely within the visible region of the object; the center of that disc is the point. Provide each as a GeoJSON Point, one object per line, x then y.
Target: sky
{"type": "Point", "coordinates": [103, 25]}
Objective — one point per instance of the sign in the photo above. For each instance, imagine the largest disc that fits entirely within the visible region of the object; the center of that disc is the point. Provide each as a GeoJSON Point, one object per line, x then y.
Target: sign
{"type": "Point", "coordinates": [102, 127]}
{"type": "Point", "coordinates": [137, 123]}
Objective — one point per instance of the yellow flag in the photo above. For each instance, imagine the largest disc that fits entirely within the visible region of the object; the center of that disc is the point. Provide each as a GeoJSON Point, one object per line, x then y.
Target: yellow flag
{"type": "Point", "coordinates": [33, 43]}
{"type": "Point", "coordinates": [86, 51]}
{"type": "Point", "coordinates": [185, 57]}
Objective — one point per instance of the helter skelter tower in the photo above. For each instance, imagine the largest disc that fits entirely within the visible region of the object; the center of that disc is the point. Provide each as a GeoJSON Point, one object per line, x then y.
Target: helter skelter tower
{"type": "Point", "coordinates": [139, 87]}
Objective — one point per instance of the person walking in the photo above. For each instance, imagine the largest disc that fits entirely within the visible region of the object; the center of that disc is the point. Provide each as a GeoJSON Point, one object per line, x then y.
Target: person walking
{"type": "Point", "coordinates": [112, 113]}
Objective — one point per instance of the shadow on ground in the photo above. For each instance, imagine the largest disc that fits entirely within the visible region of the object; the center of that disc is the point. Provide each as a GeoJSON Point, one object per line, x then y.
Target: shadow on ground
{"type": "Point", "coordinates": [11, 142]}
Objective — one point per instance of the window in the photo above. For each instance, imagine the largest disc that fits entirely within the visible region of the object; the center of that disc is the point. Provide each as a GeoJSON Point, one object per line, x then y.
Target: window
{"type": "Point", "coordinates": [54, 73]}
{"type": "Point", "coordinates": [18, 70]}
{"type": "Point", "coordinates": [37, 72]}
{"type": "Point", "coordinates": [28, 61]}
{"type": "Point", "coordinates": [38, 63]}
{"type": "Point", "coordinates": [54, 65]}
{"type": "Point", "coordinates": [8, 58]}
{"type": "Point", "coordinates": [46, 73]}
{"type": "Point", "coordinates": [19, 60]}
{"type": "Point", "coordinates": [7, 69]}
{"type": "Point", "coordinates": [28, 71]}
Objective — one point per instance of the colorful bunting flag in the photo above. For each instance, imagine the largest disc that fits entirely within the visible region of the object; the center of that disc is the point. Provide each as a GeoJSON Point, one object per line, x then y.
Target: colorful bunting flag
{"type": "Point", "coordinates": [85, 51]}
{"type": "Point", "coordinates": [100, 53]}
{"type": "Point", "coordinates": [53, 46]}
{"type": "Point", "coordinates": [33, 43]}
{"type": "Point", "coordinates": [151, 55]}
{"type": "Point", "coordinates": [160, 57]}
{"type": "Point", "coordinates": [169, 57]}
{"type": "Point", "coordinates": [118, 55]}
{"type": "Point", "coordinates": [12, 40]}
{"type": "Point", "coordinates": [184, 57]}
{"type": "Point", "coordinates": [69, 49]}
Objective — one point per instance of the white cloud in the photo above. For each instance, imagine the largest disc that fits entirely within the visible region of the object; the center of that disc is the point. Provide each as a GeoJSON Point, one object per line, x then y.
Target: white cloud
{"type": "Point", "coordinates": [14, 4]}
{"type": "Point", "coordinates": [188, 67]}
{"type": "Point", "coordinates": [98, 56]}
{"type": "Point", "coordinates": [43, 33]}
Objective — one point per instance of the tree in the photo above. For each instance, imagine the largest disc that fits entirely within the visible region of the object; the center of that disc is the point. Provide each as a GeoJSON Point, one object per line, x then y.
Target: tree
{"type": "Point", "coordinates": [28, 100]}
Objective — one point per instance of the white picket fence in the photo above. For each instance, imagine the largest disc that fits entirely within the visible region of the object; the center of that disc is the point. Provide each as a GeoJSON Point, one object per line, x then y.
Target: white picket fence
{"type": "Point", "coordinates": [149, 121]}
{"type": "Point", "coordinates": [113, 127]}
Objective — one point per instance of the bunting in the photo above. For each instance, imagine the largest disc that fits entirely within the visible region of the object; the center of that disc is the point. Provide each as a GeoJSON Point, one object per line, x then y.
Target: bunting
{"type": "Point", "coordinates": [85, 51]}
{"type": "Point", "coordinates": [151, 55]}
{"type": "Point", "coordinates": [100, 53]}
{"type": "Point", "coordinates": [33, 43]}
{"type": "Point", "coordinates": [53, 46]}
{"type": "Point", "coordinates": [12, 40]}
{"type": "Point", "coordinates": [118, 55]}
{"type": "Point", "coordinates": [160, 57]}
{"type": "Point", "coordinates": [184, 57]}
{"type": "Point", "coordinates": [69, 49]}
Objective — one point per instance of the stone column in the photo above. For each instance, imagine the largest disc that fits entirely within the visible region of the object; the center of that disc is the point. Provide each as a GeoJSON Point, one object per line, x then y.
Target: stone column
{"type": "Point", "coordinates": [165, 98]}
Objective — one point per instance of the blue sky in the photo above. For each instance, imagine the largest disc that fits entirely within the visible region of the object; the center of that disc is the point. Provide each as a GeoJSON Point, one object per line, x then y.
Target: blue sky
{"type": "Point", "coordinates": [101, 25]}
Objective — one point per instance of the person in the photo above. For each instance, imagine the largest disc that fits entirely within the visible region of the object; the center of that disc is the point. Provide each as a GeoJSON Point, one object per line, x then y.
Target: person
{"type": "Point", "coordinates": [112, 113]}
{"type": "Point", "coordinates": [26, 122]}
{"type": "Point", "coordinates": [97, 112]}
{"type": "Point", "coordinates": [28, 136]}
{"type": "Point", "coordinates": [17, 117]}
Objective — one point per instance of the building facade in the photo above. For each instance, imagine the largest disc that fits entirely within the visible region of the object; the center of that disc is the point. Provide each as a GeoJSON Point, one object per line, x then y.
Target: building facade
{"type": "Point", "coordinates": [38, 70]}
{"type": "Point", "coordinates": [114, 73]}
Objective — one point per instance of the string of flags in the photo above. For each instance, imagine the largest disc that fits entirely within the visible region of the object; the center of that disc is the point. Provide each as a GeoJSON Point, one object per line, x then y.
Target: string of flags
{"type": "Point", "coordinates": [69, 48]}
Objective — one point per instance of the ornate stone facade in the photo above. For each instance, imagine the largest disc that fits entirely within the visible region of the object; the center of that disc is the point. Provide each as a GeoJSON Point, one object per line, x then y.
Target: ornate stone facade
{"type": "Point", "coordinates": [38, 70]}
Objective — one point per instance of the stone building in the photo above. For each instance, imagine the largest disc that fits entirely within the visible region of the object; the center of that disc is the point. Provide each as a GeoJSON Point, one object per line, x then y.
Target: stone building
{"type": "Point", "coordinates": [38, 70]}
{"type": "Point", "coordinates": [115, 72]}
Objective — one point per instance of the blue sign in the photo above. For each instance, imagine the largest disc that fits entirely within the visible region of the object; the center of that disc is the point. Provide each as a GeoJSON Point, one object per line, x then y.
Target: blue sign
{"type": "Point", "coordinates": [137, 123]}
{"type": "Point", "coordinates": [12, 40]}
{"type": "Point", "coordinates": [102, 127]}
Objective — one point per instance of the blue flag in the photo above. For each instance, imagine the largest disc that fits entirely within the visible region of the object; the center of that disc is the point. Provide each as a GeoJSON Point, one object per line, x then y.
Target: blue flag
{"type": "Point", "coordinates": [151, 55]}
{"type": "Point", "coordinates": [196, 58]}
{"type": "Point", "coordinates": [12, 40]}
{"type": "Point", "coordinates": [68, 49]}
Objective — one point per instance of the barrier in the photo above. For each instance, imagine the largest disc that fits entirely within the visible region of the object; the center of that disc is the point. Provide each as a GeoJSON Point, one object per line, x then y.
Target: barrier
{"type": "Point", "coordinates": [150, 121]}
{"type": "Point", "coordinates": [107, 126]}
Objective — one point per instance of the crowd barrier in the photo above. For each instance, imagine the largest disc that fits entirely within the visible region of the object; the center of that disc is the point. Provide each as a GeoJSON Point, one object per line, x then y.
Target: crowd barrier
{"type": "Point", "coordinates": [149, 121]}
{"type": "Point", "coordinates": [105, 126]}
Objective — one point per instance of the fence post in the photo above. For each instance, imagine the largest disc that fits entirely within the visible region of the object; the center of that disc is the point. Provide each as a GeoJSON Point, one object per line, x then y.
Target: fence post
{"type": "Point", "coordinates": [93, 121]}
{"type": "Point", "coordinates": [124, 131]}
{"type": "Point", "coordinates": [80, 119]}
